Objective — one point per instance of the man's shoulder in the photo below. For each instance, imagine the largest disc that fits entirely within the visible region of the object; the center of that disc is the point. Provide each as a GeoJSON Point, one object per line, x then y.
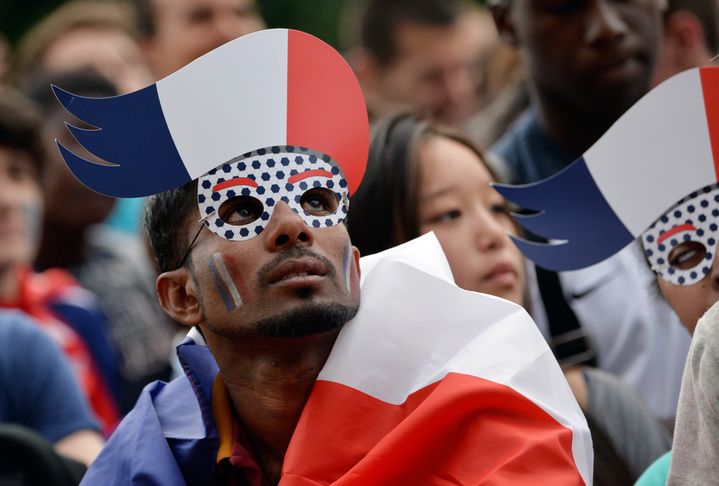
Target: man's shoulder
{"type": "Point", "coordinates": [144, 446]}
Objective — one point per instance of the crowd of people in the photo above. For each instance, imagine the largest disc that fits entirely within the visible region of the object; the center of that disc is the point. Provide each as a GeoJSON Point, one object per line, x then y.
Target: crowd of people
{"type": "Point", "coordinates": [98, 291]}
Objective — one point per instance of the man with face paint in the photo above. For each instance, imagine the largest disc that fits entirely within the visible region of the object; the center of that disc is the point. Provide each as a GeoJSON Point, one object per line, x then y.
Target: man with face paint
{"type": "Point", "coordinates": [246, 221]}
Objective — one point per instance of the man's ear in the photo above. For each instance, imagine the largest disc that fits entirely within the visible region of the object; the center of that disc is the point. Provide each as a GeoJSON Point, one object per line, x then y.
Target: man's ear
{"type": "Point", "coordinates": [502, 15]}
{"type": "Point", "coordinates": [685, 32]}
{"type": "Point", "coordinates": [177, 293]}
{"type": "Point", "coordinates": [365, 67]}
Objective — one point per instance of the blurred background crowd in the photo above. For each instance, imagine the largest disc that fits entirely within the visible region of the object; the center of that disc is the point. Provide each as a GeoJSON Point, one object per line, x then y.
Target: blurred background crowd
{"type": "Point", "coordinates": [460, 93]}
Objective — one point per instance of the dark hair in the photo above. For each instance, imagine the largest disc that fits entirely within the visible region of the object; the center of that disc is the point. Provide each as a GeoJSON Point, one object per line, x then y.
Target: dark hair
{"type": "Point", "coordinates": [706, 13]}
{"type": "Point", "coordinates": [144, 18]}
{"type": "Point", "coordinates": [83, 82]}
{"type": "Point", "coordinates": [383, 212]}
{"type": "Point", "coordinates": [166, 221]}
{"type": "Point", "coordinates": [21, 127]}
{"type": "Point", "coordinates": [381, 18]}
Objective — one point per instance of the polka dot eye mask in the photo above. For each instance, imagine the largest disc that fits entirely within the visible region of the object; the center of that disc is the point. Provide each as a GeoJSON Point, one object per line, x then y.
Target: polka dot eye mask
{"type": "Point", "coordinates": [237, 199]}
{"type": "Point", "coordinates": [681, 245]}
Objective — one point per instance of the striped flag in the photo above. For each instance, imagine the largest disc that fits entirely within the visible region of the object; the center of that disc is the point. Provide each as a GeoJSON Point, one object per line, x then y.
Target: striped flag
{"type": "Point", "coordinates": [270, 88]}
{"type": "Point", "coordinates": [432, 384]}
{"type": "Point", "coordinates": [665, 147]}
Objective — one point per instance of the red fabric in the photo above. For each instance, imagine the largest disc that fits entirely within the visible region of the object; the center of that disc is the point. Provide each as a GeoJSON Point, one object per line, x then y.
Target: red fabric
{"type": "Point", "coordinates": [710, 88]}
{"type": "Point", "coordinates": [326, 113]}
{"type": "Point", "coordinates": [462, 430]}
{"type": "Point", "coordinates": [35, 294]}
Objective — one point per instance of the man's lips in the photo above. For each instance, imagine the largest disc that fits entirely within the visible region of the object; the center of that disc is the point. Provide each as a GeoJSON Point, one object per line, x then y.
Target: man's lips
{"type": "Point", "coordinates": [305, 270]}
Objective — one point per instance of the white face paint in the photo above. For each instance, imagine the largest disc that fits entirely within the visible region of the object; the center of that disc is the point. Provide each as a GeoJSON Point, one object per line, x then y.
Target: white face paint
{"type": "Point", "coordinates": [237, 198]}
{"type": "Point", "coordinates": [681, 245]}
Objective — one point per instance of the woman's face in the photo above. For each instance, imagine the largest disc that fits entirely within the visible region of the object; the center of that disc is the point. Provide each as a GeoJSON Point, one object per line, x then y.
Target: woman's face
{"type": "Point", "coordinates": [690, 302]}
{"type": "Point", "coordinates": [470, 219]}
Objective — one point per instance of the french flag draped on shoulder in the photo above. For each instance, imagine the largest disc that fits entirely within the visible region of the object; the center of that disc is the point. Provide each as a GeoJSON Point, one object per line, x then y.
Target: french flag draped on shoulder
{"type": "Point", "coordinates": [432, 384]}
{"type": "Point", "coordinates": [660, 150]}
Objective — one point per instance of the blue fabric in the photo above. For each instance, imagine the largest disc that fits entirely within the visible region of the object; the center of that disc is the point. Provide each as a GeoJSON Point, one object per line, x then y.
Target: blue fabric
{"type": "Point", "coordinates": [530, 154]}
{"type": "Point", "coordinates": [170, 436]}
{"type": "Point", "coordinates": [37, 387]}
{"type": "Point", "coordinates": [132, 134]}
{"type": "Point", "coordinates": [656, 474]}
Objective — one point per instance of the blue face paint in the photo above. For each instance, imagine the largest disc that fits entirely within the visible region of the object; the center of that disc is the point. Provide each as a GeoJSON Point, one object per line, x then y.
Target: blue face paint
{"type": "Point", "coordinates": [347, 264]}
{"type": "Point", "coordinates": [222, 289]}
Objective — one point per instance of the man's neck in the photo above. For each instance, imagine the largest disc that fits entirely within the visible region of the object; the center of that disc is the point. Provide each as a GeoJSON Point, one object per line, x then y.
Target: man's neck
{"type": "Point", "coordinates": [269, 381]}
{"type": "Point", "coordinates": [570, 127]}
{"type": "Point", "coordinates": [9, 284]}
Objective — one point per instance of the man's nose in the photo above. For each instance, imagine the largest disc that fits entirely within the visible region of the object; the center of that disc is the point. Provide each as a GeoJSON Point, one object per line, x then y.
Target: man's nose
{"type": "Point", "coordinates": [286, 228]}
{"type": "Point", "coordinates": [605, 25]}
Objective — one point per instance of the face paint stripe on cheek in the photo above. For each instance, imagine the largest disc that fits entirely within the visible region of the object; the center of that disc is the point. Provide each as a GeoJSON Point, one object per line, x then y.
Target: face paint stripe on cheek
{"type": "Point", "coordinates": [224, 294]}
{"type": "Point", "coordinates": [33, 222]}
{"type": "Point", "coordinates": [225, 275]}
{"type": "Point", "coordinates": [235, 276]}
{"type": "Point", "coordinates": [346, 264]}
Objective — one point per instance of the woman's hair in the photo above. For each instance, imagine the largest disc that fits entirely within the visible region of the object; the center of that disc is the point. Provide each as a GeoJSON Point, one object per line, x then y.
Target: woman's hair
{"type": "Point", "coordinates": [384, 210]}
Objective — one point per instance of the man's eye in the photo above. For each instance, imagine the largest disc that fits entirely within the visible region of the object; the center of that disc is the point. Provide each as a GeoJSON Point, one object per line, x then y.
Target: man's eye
{"type": "Point", "coordinates": [687, 255]}
{"type": "Point", "coordinates": [319, 202]}
{"type": "Point", "coordinates": [240, 210]}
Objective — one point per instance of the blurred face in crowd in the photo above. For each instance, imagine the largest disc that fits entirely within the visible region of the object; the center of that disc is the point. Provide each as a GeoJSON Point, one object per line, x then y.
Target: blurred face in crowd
{"type": "Point", "coordinates": [590, 54]}
{"type": "Point", "coordinates": [471, 220]}
{"type": "Point", "coordinates": [110, 51]}
{"type": "Point", "coordinates": [69, 203]}
{"type": "Point", "coordinates": [20, 207]}
{"type": "Point", "coordinates": [432, 72]}
{"type": "Point", "coordinates": [187, 29]}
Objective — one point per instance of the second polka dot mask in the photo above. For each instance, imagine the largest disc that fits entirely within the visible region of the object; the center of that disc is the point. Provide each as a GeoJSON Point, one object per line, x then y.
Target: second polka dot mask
{"type": "Point", "coordinates": [237, 198]}
{"type": "Point", "coordinates": [681, 245]}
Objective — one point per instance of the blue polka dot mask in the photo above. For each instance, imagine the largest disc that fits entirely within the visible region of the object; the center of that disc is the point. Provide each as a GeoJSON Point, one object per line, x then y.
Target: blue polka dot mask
{"type": "Point", "coordinates": [237, 198]}
{"type": "Point", "coordinates": [681, 245]}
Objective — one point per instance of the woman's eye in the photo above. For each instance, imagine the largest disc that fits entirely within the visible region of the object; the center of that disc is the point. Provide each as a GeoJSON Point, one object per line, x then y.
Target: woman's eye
{"type": "Point", "coordinates": [319, 202]}
{"type": "Point", "coordinates": [501, 209]}
{"type": "Point", "coordinates": [240, 210]}
{"type": "Point", "coordinates": [687, 255]}
{"type": "Point", "coordinates": [448, 216]}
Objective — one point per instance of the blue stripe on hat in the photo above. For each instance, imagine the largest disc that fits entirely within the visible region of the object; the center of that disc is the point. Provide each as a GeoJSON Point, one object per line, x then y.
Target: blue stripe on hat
{"type": "Point", "coordinates": [570, 208]}
{"type": "Point", "coordinates": [131, 134]}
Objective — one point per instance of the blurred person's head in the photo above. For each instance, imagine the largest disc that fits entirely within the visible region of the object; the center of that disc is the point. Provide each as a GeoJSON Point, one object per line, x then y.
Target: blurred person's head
{"type": "Point", "coordinates": [85, 34]}
{"type": "Point", "coordinates": [22, 166]}
{"type": "Point", "coordinates": [690, 36]}
{"type": "Point", "coordinates": [176, 32]}
{"type": "Point", "coordinates": [588, 59]}
{"type": "Point", "coordinates": [70, 206]}
{"type": "Point", "coordinates": [421, 178]}
{"type": "Point", "coordinates": [421, 55]}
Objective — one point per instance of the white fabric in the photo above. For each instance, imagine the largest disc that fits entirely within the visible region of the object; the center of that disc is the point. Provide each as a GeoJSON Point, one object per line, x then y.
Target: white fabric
{"type": "Point", "coordinates": [414, 327]}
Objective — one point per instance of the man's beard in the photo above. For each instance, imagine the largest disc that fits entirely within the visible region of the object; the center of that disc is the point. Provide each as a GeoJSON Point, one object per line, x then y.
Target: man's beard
{"type": "Point", "coordinates": [309, 319]}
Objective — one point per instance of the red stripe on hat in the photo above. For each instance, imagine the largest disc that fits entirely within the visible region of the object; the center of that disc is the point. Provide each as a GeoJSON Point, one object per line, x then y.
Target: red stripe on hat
{"type": "Point", "coordinates": [466, 428]}
{"type": "Point", "coordinates": [325, 107]}
{"type": "Point", "coordinates": [710, 88]}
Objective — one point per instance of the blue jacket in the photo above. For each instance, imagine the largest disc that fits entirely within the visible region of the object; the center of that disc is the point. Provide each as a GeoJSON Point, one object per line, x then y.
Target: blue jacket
{"type": "Point", "coordinates": [169, 437]}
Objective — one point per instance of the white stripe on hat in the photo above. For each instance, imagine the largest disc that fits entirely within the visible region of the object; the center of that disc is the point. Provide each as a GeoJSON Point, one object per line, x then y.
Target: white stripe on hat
{"type": "Point", "coordinates": [246, 108]}
{"type": "Point", "coordinates": [651, 144]}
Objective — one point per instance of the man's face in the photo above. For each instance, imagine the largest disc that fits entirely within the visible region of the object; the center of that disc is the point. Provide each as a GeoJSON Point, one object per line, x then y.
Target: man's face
{"type": "Point", "coordinates": [595, 55]}
{"type": "Point", "coordinates": [20, 207]}
{"type": "Point", "coordinates": [289, 280]}
{"type": "Point", "coordinates": [433, 71]}
{"type": "Point", "coordinates": [187, 29]}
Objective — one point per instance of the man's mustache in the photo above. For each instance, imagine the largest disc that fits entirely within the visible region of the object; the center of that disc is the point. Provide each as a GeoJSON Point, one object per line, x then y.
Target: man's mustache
{"type": "Point", "coordinates": [289, 254]}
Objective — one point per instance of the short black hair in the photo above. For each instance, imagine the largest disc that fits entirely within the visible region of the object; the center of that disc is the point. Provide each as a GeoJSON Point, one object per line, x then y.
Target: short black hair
{"type": "Point", "coordinates": [21, 127]}
{"type": "Point", "coordinates": [381, 18]}
{"type": "Point", "coordinates": [706, 11]}
{"type": "Point", "coordinates": [166, 221]}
